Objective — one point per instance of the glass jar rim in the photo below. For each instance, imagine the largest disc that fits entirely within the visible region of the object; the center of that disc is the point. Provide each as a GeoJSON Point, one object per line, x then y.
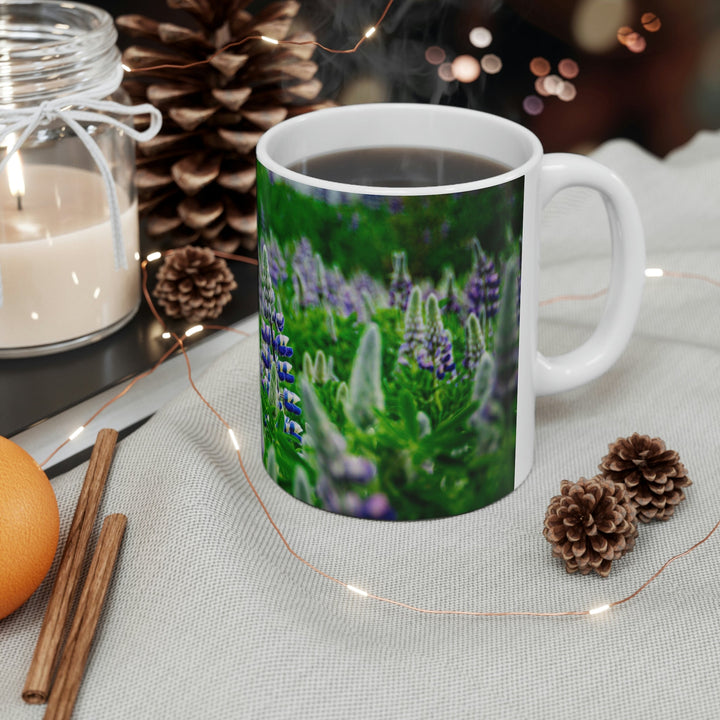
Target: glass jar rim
{"type": "Point", "coordinates": [50, 49]}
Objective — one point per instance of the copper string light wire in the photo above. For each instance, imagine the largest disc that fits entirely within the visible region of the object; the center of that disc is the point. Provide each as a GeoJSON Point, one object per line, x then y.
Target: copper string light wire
{"type": "Point", "coordinates": [170, 66]}
{"type": "Point", "coordinates": [178, 344]}
{"type": "Point", "coordinates": [127, 388]}
{"type": "Point", "coordinates": [564, 298]}
{"type": "Point", "coordinates": [651, 272]}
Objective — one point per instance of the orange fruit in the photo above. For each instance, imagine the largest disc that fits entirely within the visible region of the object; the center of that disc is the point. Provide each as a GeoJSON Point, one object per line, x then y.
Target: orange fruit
{"type": "Point", "coordinates": [29, 526]}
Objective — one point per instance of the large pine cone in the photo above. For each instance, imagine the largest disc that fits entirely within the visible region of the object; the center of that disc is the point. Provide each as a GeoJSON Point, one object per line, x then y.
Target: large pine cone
{"type": "Point", "coordinates": [196, 179]}
{"type": "Point", "coordinates": [590, 524]}
{"type": "Point", "coordinates": [193, 284]}
{"type": "Point", "coordinates": [654, 476]}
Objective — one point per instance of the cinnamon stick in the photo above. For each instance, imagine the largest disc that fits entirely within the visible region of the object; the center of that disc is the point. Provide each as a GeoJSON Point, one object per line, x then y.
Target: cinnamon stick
{"type": "Point", "coordinates": [77, 647]}
{"type": "Point", "coordinates": [39, 677]}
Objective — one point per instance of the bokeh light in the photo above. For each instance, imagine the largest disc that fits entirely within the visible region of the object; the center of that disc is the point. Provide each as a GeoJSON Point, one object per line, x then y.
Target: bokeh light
{"type": "Point", "coordinates": [435, 55]}
{"type": "Point", "coordinates": [480, 37]}
{"type": "Point", "coordinates": [568, 68]}
{"type": "Point", "coordinates": [539, 66]}
{"type": "Point", "coordinates": [637, 44]}
{"type": "Point", "coordinates": [624, 33]}
{"type": "Point", "coordinates": [650, 21]}
{"type": "Point", "coordinates": [594, 23]}
{"type": "Point", "coordinates": [533, 105]}
{"type": "Point", "coordinates": [465, 68]}
{"type": "Point", "coordinates": [491, 64]}
{"type": "Point", "coordinates": [540, 87]}
{"type": "Point", "coordinates": [552, 84]}
{"type": "Point", "coordinates": [445, 72]}
{"type": "Point", "coordinates": [567, 92]}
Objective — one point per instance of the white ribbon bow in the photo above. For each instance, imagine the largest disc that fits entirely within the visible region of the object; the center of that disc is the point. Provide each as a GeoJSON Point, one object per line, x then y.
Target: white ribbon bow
{"type": "Point", "coordinates": [26, 120]}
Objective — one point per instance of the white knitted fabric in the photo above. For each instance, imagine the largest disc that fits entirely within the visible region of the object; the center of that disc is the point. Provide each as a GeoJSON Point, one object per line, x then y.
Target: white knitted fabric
{"type": "Point", "coordinates": [209, 616]}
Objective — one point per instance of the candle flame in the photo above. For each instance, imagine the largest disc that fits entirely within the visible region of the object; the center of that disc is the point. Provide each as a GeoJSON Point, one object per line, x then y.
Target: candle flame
{"type": "Point", "coordinates": [16, 177]}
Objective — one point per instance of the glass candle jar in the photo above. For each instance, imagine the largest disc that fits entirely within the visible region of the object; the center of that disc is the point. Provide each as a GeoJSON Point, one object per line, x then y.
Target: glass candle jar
{"type": "Point", "coordinates": [69, 251]}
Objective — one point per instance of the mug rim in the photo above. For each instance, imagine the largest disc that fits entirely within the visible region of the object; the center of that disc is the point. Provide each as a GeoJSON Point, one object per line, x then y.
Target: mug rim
{"type": "Point", "coordinates": [264, 154]}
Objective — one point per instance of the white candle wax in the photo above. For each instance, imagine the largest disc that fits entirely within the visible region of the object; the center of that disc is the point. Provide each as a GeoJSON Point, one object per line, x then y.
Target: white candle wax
{"type": "Point", "coordinates": [56, 259]}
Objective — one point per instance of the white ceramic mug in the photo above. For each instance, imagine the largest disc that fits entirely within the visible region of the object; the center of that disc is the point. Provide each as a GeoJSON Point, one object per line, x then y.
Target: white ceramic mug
{"type": "Point", "coordinates": [399, 362]}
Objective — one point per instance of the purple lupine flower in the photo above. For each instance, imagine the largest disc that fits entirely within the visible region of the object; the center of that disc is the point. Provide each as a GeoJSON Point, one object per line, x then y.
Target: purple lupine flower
{"type": "Point", "coordinates": [321, 194]}
{"type": "Point", "coordinates": [341, 294]}
{"type": "Point", "coordinates": [334, 280]}
{"type": "Point", "coordinates": [321, 278]}
{"type": "Point", "coordinates": [305, 274]}
{"type": "Point", "coordinates": [438, 356]}
{"type": "Point", "coordinates": [293, 428]}
{"type": "Point", "coordinates": [340, 473]}
{"type": "Point", "coordinates": [377, 507]}
{"type": "Point", "coordinates": [373, 201]}
{"type": "Point", "coordinates": [278, 266]}
{"type": "Point", "coordinates": [400, 283]}
{"type": "Point", "coordinates": [274, 351]}
{"type": "Point", "coordinates": [453, 304]}
{"type": "Point", "coordinates": [395, 205]}
{"type": "Point", "coordinates": [355, 221]}
{"type": "Point", "coordinates": [482, 289]}
{"type": "Point", "coordinates": [289, 401]}
{"type": "Point", "coordinates": [284, 370]}
{"type": "Point", "coordinates": [348, 300]}
{"type": "Point", "coordinates": [426, 236]}
{"type": "Point", "coordinates": [413, 344]}
{"type": "Point", "coordinates": [445, 228]}
{"type": "Point", "coordinates": [362, 281]}
{"type": "Point", "coordinates": [282, 346]}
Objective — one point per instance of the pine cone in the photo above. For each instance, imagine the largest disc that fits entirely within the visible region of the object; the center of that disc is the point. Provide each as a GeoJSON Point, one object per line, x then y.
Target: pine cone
{"type": "Point", "coordinates": [590, 524]}
{"type": "Point", "coordinates": [194, 284]}
{"type": "Point", "coordinates": [654, 476]}
{"type": "Point", "coordinates": [196, 179]}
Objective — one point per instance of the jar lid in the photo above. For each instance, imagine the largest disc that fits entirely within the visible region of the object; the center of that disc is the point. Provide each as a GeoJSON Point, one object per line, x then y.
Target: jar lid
{"type": "Point", "coordinates": [50, 49]}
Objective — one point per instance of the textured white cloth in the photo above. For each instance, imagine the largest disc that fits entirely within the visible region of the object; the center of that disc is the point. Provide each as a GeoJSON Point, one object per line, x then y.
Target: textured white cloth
{"type": "Point", "coordinates": [209, 616]}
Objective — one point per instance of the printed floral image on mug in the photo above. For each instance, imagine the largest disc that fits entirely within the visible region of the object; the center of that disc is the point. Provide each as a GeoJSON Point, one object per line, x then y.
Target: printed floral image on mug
{"type": "Point", "coordinates": [389, 331]}
{"type": "Point", "coordinates": [398, 280]}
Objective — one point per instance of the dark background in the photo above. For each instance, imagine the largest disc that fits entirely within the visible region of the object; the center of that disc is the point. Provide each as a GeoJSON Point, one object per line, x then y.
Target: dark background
{"type": "Point", "coordinates": [660, 97]}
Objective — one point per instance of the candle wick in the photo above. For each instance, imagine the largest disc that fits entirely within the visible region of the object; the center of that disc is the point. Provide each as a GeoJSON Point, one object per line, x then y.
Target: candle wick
{"type": "Point", "coordinates": [19, 201]}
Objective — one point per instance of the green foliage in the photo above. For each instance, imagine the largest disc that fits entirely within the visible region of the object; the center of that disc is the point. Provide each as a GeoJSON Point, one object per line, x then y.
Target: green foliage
{"type": "Point", "coordinates": [435, 447]}
{"type": "Point", "coordinates": [358, 235]}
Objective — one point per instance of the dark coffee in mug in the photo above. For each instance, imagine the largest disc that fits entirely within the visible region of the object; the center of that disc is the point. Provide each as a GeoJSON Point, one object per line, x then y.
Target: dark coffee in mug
{"type": "Point", "coordinates": [399, 167]}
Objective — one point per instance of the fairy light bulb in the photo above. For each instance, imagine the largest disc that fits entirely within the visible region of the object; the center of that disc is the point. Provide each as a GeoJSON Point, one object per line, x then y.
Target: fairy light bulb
{"type": "Point", "coordinates": [370, 32]}
{"type": "Point", "coordinates": [598, 610]}
{"type": "Point", "coordinates": [654, 272]}
{"type": "Point", "coordinates": [233, 439]}
{"type": "Point", "coordinates": [357, 591]}
{"type": "Point", "coordinates": [194, 330]}
{"type": "Point", "coordinates": [76, 432]}
{"type": "Point", "coordinates": [270, 40]}
{"type": "Point", "coordinates": [154, 256]}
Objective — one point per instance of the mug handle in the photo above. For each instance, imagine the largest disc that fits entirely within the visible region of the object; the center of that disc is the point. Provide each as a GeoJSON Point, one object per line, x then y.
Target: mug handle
{"type": "Point", "coordinates": [627, 273]}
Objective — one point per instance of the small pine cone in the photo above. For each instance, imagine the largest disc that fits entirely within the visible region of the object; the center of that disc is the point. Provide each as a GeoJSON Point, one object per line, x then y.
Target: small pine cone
{"type": "Point", "coordinates": [653, 476]}
{"type": "Point", "coordinates": [590, 524]}
{"type": "Point", "coordinates": [193, 284]}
